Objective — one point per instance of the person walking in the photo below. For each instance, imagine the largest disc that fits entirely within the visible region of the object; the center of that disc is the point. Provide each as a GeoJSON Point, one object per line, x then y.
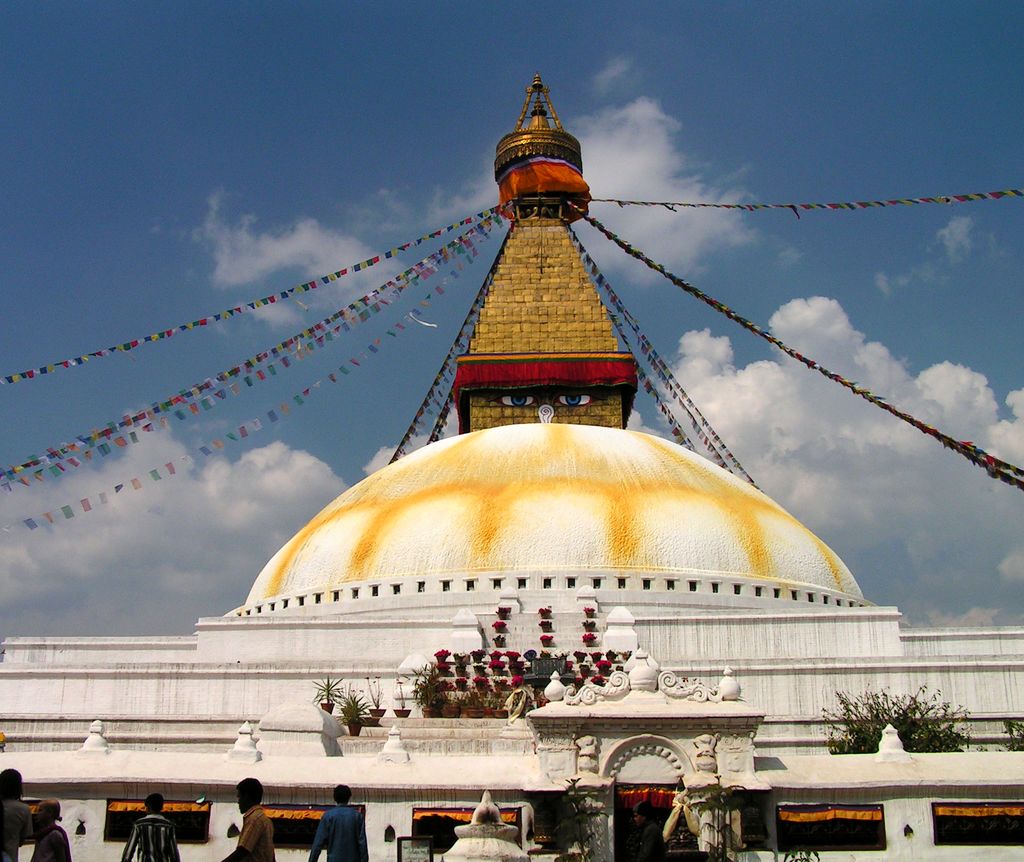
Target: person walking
{"type": "Point", "coordinates": [652, 845]}
{"type": "Point", "coordinates": [17, 819]}
{"type": "Point", "coordinates": [341, 831]}
{"type": "Point", "coordinates": [256, 840]}
{"type": "Point", "coordinates": [153, 838]}
{"type": "Point", "coordinates": [51, 840]}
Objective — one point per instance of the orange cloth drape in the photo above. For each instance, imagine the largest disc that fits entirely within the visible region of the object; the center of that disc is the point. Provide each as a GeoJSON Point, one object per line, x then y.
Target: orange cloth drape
{"type": "Point", "coordinates": [139, 805]}
{"type": "Point", "coordinates": [837, 813]}
{"type": "Point", "coordinates": [537, 177]}
{"type": "Point", "coordinates": [464, 815]}
{"type": "Point", "coordinates": [979, 810]}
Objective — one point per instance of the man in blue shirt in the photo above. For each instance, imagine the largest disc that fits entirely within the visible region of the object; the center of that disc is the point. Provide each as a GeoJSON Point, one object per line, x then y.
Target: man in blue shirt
{"type": "Point", "coordinates": [341, 831]}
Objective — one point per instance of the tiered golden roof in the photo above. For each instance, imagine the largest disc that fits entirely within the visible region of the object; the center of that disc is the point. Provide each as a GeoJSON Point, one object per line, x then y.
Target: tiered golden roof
{"type": "Point", "coordinates": [539, 138]}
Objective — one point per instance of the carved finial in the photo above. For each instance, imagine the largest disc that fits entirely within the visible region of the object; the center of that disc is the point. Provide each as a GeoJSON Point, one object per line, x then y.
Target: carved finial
{"type": "Point", "coordinates": [890, 747]}
{"type": "Point", "coordinates": [95, 742]}
{"type": "Point", "coordinates": [244, 747]}
{"type": "Point", "coordinates": [486, 811]}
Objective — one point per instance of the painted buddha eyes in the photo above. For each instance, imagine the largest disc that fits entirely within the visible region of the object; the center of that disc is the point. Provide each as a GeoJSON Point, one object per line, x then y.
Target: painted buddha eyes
{"type": "Point", "coordinates": [517, 400]}
{"type": "Point", "coordinates": [526, 400]}
{"type": "Point", "coordinates": [574, 400]}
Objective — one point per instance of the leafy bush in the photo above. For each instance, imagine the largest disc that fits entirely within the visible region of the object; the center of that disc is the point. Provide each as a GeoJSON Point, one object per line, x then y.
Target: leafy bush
{"type": "Point", "coordinates": [1015, 730]}
{"type": "Point", "coordinates": [925, 722]}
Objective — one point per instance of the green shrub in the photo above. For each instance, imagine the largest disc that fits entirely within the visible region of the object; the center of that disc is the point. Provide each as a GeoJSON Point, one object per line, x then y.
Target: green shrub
{"type": "Point", "coordinates": [924, 721]}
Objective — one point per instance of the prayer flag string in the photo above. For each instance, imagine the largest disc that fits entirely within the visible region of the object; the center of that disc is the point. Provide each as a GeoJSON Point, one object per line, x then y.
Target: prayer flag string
{"type": "Point", "coordinates": [446, 371]}
{"type": "Point", "coordinates": [796, 208]}
{"type": "Point", "coordinates": [1004, 471]}
{"type": "Point", "coordinates": [251, 305]}
{"type": "Point", "coordinates": [192, 400]}
{"type": "Point", "coordinates": [707, 435]}
{"type": "Point", "coordinates": [242, 432]}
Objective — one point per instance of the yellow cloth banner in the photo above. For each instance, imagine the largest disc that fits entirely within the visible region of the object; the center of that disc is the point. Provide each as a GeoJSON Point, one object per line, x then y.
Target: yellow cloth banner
{"type": "Point", "coordinates": [139, 805]}
{"type": "Point", "coordinates": [463, 815]}
{"type": "Point", "coordinates": [829, 814]}
{"type": "Point", "coordinates": [294, 813]}
{"type": "Point", "coordinates": [979, 810]}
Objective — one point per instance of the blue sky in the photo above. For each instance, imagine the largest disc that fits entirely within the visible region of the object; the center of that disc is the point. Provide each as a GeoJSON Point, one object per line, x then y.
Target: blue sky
{"type": "Point", "coordinates": [162, 162]}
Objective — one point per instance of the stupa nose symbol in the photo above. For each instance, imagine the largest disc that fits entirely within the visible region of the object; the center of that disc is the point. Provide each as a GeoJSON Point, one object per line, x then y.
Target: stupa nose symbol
{"type": "Point", "coordinates": [546, 413]}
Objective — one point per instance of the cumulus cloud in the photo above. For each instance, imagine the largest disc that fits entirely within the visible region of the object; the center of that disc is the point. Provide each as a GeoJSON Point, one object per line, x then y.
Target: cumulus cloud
{"type": "Point", "coordinates": [956, 237]}
{"type": "Point", "coordinates": [616, 74]}
{"type": "Point", "coordinates": [632, 151]}
{"type": "Point", "coordinates": [919, 527]}
{"type": "Point", "coordinates": [243, 254]}
{"type": "Point", "coordinates": [153, 561]}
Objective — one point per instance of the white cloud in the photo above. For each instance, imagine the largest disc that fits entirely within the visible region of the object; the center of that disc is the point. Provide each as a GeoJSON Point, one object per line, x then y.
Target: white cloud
{"type": "Point", "coordinates": [615, 74]}
{"type": "Point", "coordinates": [919, 526]}
{"type": "Point", "coordinates": [1011, 566]}
{"type": "Point", "coordinates": [632, 152]}
{"type": "Point", "coordinates": [956, 237]}
{"type": "Point", "coordinates": [243, 255]}
{"type": "Point", "coordinates": [154, 560]}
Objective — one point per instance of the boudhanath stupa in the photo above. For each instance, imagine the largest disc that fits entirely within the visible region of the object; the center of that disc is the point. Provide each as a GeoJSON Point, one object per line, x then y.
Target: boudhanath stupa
{"type": "Point", "coordinates": [637, 622]}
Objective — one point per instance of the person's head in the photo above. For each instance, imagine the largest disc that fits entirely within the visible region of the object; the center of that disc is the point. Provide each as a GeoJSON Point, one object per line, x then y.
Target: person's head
{"type": "Point", "coordinates": [155, 803]}
{"type": "Point", "coordinates": [48, 813]}
{"type": "Point", "coordinates": [10, 784]}
{"type": "Point", "coordinates": [342, 794]}
{"type": "Point", "coordinates": [250, 793]}
{"type": "Point", "coordinates": [643, 812]}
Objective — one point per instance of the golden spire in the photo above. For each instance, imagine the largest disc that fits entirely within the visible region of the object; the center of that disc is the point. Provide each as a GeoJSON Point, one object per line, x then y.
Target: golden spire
{"type": "Point", "coordinates": [538, 138]}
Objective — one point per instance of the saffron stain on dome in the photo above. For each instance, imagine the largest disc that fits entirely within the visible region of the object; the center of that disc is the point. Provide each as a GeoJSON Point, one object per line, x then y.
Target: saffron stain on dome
{"type": "Point", "coordinates": [555, 496]}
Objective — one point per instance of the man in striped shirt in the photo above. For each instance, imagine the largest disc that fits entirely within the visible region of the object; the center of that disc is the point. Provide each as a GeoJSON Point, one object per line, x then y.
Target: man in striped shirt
{"type": "Point", "coordinates": [152, 838]}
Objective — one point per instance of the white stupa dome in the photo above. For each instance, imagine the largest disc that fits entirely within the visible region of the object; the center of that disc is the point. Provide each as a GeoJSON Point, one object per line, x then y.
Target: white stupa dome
{"type": "Point", "coordinates": [550, 498]}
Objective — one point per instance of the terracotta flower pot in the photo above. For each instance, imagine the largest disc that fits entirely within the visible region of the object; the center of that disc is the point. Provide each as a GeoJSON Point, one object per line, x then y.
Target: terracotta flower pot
{"type": "Point", "coordinates": [402, 713]}
{"type": "Point", "coordinates": [429, 712]}
{"type": "Point", "coordinates": [377, 712]}
{"type": "Point", "coordinates": [355, 729]}
{"type": "Point", "coordinates": [327, 706]}
{"type": "Point", "coordinates": [450, 710]}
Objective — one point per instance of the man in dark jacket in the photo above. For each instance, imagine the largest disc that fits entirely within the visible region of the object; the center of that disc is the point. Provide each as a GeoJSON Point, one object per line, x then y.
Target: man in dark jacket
{"type": "Point", "coordinates": [341, 831]}
{"type": "Point", "coordinates": [652, 846]}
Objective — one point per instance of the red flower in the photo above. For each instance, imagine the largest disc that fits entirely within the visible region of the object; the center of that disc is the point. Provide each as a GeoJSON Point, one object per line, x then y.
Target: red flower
{"type": "Point", "coordinates": [442, 654]}
{"type": "Point", "coordinates": [499, 625]}
{"type": "Point", "coordinates": [597, 680]}
{"type": "Point", "coordinates": [480, 681]}
{"type": "Point", "coordinates": [497, 665]}
{"type": "Point", "coordinates": [512, 655]}
{"type": "Point", "coordinates": [517, 680]}
{"type": "Point", "coordinates": [544, 612]}
{"type": "Point", "coordinates": [546, 639]}
{"type": "Point", "coordinates": [590, 611]}
{"type": "Point", "coordinates": [604, 665]}
{"type": "Point", "coordinates": [589, 637]}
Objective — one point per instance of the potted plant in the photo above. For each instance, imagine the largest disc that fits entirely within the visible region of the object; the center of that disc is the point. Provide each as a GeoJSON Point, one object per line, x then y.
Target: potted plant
{"type": "Point", "coordinates": [478, 655]}
{"type": "Point", "coordinates": [328, 691]}
{"type": "Point", "coordinates": [589, 612]}
{"type": "Point", "coordinates": [429, 691]}
{"type": "Point", "coordinates": [373, 693]}
{"type": "Point", "coordinates": [504, 613]}
{"type": "Point", "coordinates": [474, 702]}
{"type": "Point", "coordinates": [499, 640]}
{"type": "Point", "coordinates": [589, 624]}
{"type": "Point", "coordinates": [452, 707]}
{"type": "Point", "coordinates": [545, 624]}
{"type": "Point", "coordinates": [499, 626]}
{"type": "Point", "coordinates": [400, 709]}
{"type": "Point", "coordinates": [544, 612]}
{"type": "Point", "coordinates": [354, 711]}
{"type": "Point", "coordinates": [547, 640]}
{"type": "Point", "coordinates": [589, 638]}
